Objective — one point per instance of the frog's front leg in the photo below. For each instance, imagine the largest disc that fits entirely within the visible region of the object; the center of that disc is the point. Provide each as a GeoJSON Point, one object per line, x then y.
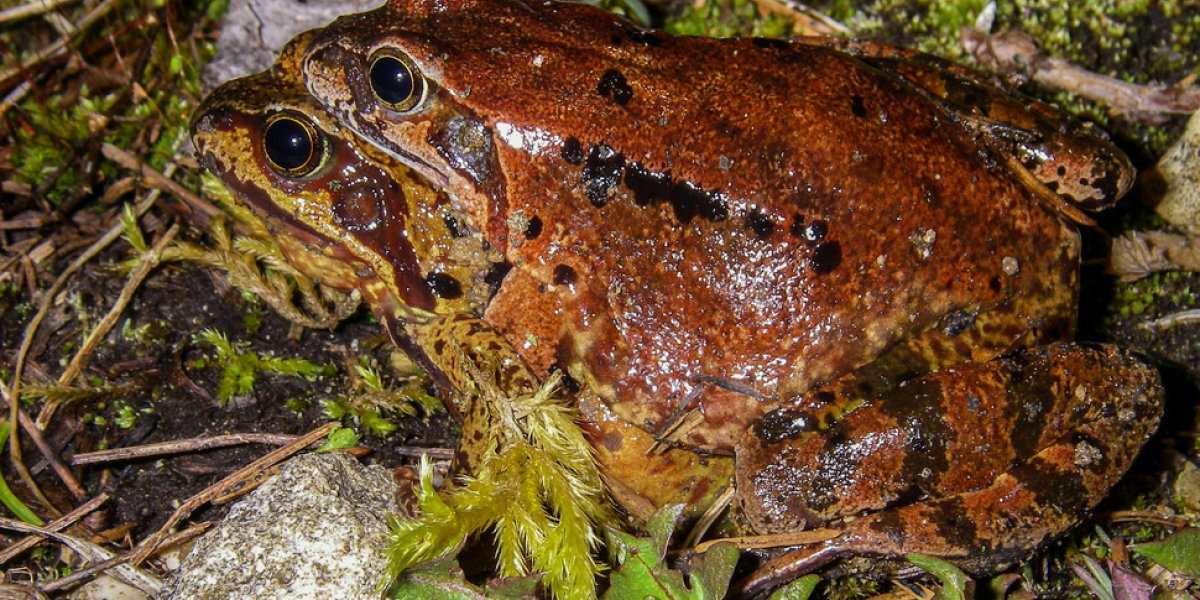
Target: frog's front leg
{"type": "Point", "coordinates": [978, 464]}
{"type": "Point", "coordinates": [475, 365]}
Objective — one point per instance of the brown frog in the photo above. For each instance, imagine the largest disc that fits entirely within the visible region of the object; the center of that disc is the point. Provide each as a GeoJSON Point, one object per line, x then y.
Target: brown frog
{"type": "Point", "coordinates": [327, 197]}
{"type": "Point", "coordinates": [754, 237]}
{"type": "Point", "coordinates": [744, 240]}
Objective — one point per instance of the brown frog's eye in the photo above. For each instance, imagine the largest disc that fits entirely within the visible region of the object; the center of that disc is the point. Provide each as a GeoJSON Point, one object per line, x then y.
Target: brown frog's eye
{"type": "Point", "coordinates": [292, 145]}
{"type": "Point", "coordinates": [396, 81]}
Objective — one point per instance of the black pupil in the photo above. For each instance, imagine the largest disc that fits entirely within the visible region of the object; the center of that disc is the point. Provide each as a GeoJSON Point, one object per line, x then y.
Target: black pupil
{"type": "Point", "coordinates": [288, 144]}
{"type": "Point", "coordinates": [392, 80]}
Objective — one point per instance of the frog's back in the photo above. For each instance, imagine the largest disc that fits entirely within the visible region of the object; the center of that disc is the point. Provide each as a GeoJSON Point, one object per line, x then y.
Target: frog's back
{"type": "Point", "coordinates": [767, 213]}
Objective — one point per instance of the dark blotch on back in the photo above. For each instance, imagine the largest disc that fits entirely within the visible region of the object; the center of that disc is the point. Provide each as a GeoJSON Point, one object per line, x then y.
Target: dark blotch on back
{"type": "Point", "coordinates": [857, 107]}
{"type": "Point", "coordinates": [760, 224]}
{"type": "Point", "coordinates": [614, 86]}
{"type": "Point", "coordinates": [534, 228]}
{"type": "Point", "coordinates": [826, 257]}
{"type": "Point", "coordinates": [564, 275]}
{"type": "Point", "coordinates": [602, 173]}
{"type": "Point", "coordinates": [797, 227]}
{"type": "Point", "coordinates": [444, 286]}
{"type": "Point", "coordinates": [572, 151]}
{"type": "Point", "coordinates": [686, 200]}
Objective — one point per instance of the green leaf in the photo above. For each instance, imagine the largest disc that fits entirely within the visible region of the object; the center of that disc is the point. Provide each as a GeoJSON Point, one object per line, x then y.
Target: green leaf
{"type": "Point", "coordinates": [132, 233]}
{"type": "Point", "coordinates": [9, 499]}
{"type": "Point", "coordinates": [443, 580]}
{"type": "Point", "coordinates": [799, 589]}
{"type": "Point", "coordinates": [1179, 553]}
{"type": "Point", "coordinates": [955, 584]}
{"type": "Point", "coordinates": [342, 437]}
{"type": "Point", "coordinates": [643, 572]}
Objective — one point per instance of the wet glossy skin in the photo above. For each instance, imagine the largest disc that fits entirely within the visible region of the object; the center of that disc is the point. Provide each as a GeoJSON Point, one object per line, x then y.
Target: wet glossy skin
{"type": "Point", "coordinates": [430, 276]}
{"type": "Point", "coordinates": [638, 176]}
{"type": "Point", "coordinates": [755, 238]}
{"type": "Point", "coordinates": [730, 224]}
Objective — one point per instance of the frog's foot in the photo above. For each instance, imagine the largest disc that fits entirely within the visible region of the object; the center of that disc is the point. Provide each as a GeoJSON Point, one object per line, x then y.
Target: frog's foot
{"type": "Point", "coordinates": [979, 465]}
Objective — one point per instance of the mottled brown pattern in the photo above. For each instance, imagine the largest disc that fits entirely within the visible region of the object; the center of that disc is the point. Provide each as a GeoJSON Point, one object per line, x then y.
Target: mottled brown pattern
{"type": "Point", "coordinates": [858, 241]}
{"type": "Point", "coordinates": [645, 202]}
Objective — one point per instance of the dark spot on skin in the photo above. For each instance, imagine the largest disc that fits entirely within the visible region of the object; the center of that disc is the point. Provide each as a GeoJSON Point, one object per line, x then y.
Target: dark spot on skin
{"type": "Point", "coordinates": [686, 200]}
{"type": "Point", "coordinates": [889, 524]}
{"type": "Point", "coordinates": [760, 224]}
{"type": "Point", "coordinates": [994, 284]}
{"type": "Point", "coordinates": [647, 187]}
{"type": "Point", "coordinates": [456, 228]}
{"type": "Point", "coordinates": [495, 275]}
{"type": "Point", "coordinates": [957, 322]}
{"type": "Point", "coordinates": [602, 173]}
{"type": "Point", "coordinates": [647, 38]}
{"type": "Point", "coordinates": [781, 425]}
{"type": "Point", "coordinates": [1052, 186]}
{"type": "Point", "coordinates": [1057, 491]}
{"type": "Point", "coordinates": [1062, 171]}
{"type": "Point", "coordinates": [444, 286]}
{"type": "Point", "coordinates": [825, 397]}
{"type": "Point", "coordinates": [439, 347]}
{"type": "Point", "coordinates": [917, 409]}
{"type": "Point", "coordinates": [857, 107]}
{"type": "Point", "coordinates": [1031, 393]}
{"type": "Point", "coordinates": [826, 257]}
{"type": "Point", "coordinates": [815, 232]}
{"type": "Point", "coordinates": [615, 40]}
{"type": "Point", "coordinates": [689, 201]}
{"type": "Point", "coordinates": [467, 146]}
{"type": "Point", "coordinates": [797, 227]}
{"type": "Point", "coordinates": [534, 228]}
{"type": "Point", "coordinates": [572, 151]}
{"type": "Point", "coordinates": [771, 43]}
{"type": "Point", "coordinates": [1109, 184]}
{"type": "Point", "coordinates": [614, 86]}
{"type": "Point", "coordinates": [953, 523]}
{"type": "Point", "coordinates": [564, 275]}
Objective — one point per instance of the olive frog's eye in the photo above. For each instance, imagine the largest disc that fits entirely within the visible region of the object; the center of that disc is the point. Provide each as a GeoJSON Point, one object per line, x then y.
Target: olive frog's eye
{"type": "Point", "coordinates": [396, 81]}
{"type": "Point", "coordinates": [292, 145]}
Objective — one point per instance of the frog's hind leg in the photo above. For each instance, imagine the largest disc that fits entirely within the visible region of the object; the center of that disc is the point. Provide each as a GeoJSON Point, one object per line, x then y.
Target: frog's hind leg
{"type": "Point", "coordinates": [1075, 419]}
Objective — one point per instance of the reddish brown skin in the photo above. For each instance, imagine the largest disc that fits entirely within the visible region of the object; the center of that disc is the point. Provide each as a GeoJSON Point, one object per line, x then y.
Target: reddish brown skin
{"type": "Point", "coordinates": [817, 177]}
{"type": "Point", "coordinates": [738, 226]}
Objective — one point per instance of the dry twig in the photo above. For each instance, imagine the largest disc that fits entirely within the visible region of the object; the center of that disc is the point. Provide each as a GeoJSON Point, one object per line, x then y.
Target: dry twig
{"type": "Point", "coordinates": [218, 489]}
{"type": "Point", "coordinates": [57, 525]}
{"type": "Point", "coordinates": [1016, 53]}
{"type": "Point", "coordinates": [180, 447]}
{"type": "Point", "coordinates": [93, 553]}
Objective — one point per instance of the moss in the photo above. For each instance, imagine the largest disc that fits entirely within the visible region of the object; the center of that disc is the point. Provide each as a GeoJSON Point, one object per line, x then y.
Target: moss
{"type": "Point", "coordinates": [1152, 42]}
{"type": "Point", "coordinates": [727, 18]}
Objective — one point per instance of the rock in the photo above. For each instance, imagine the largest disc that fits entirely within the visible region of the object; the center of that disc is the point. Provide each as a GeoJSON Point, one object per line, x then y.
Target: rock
{"type": "Point", "coordinates": [317, 530]}
{"type": "Point", "coordinates": [255, 31]}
